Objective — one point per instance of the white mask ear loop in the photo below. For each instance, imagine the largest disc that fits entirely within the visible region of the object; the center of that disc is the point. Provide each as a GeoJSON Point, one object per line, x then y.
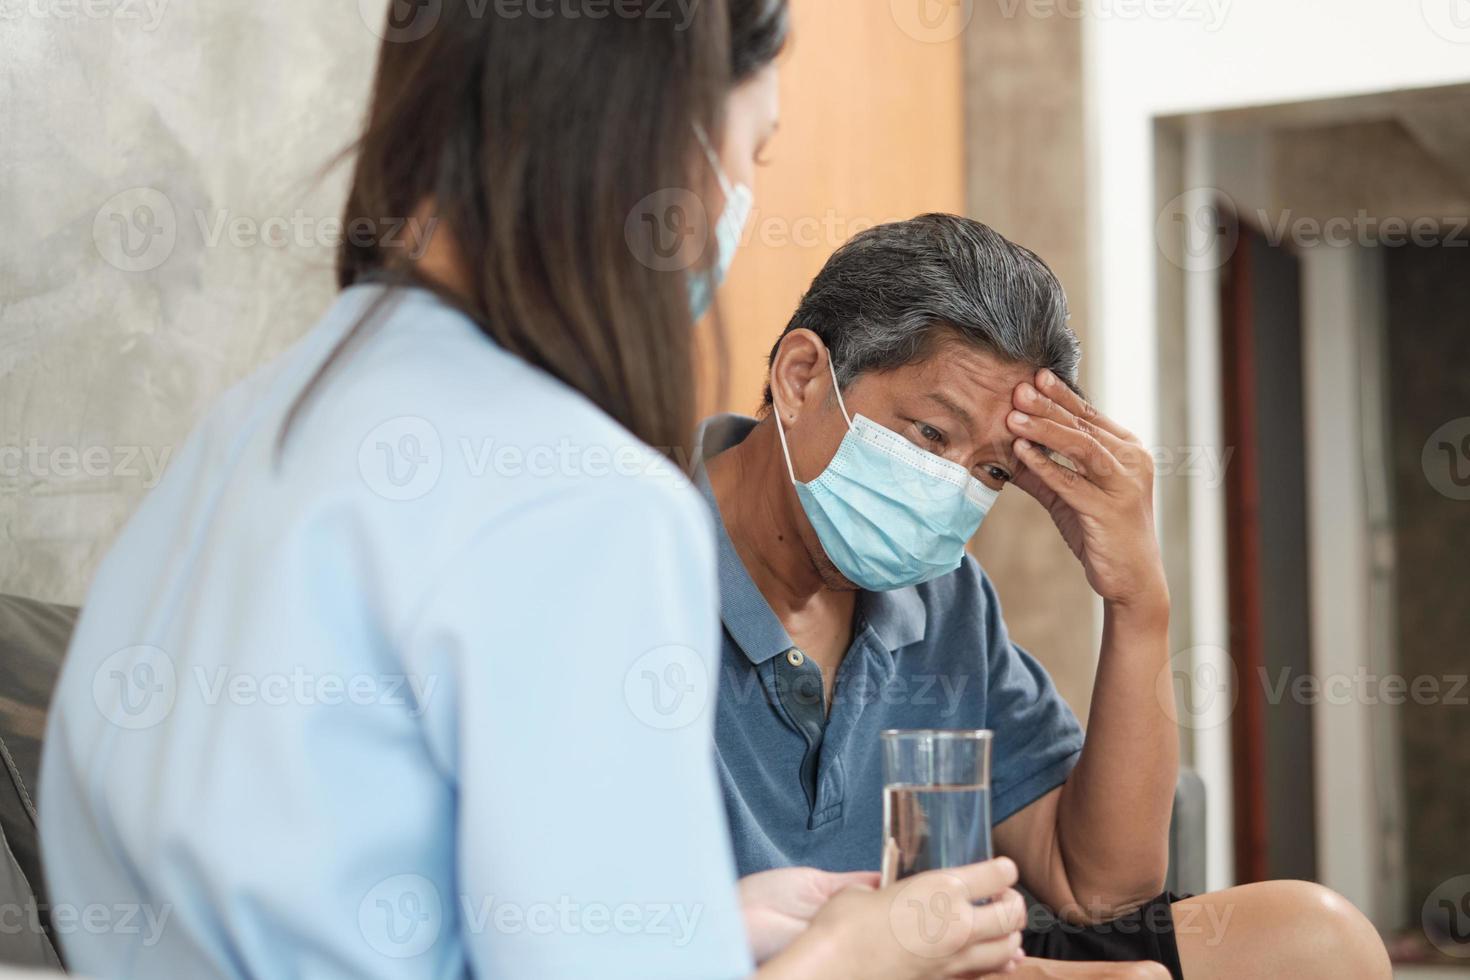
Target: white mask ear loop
{"type": "Point", "coordinates": [781, 429]}
{"type": "Point", "coordinates": [837, 390]}
{"type": "Point", "coordinates": [714, 162]}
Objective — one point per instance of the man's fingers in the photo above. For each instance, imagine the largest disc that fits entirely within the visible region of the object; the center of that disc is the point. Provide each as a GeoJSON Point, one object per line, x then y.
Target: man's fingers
{"type": "Point", "coordinates": [1052, 388]}
{"type": "Point", "coordinates": [1084, 450]}
{"type": "Point", "coordinates": [1072, 487]}
{"type": "Point", "coordinates": [1030, 401]}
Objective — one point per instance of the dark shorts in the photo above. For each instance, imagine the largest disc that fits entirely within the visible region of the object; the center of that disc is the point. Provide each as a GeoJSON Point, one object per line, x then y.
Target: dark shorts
{"type": "Point", "coordinates": [1145, 934]}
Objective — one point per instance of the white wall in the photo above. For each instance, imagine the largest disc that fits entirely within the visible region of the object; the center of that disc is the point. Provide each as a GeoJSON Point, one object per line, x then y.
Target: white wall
{"type": "Point", "coordinates": [1359, 823]}
{"type": "Point", "coordinates": [1153, 58]}
{"type": "Point", "coordinates": [1196, 56]}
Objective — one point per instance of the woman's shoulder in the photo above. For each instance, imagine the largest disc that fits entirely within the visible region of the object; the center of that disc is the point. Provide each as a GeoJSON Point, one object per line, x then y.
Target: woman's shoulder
{"type": "Point", "coordinates": [427, 393]}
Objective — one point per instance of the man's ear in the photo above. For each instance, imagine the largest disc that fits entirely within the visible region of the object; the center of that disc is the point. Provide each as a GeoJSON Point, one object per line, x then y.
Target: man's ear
{"type": "Point", "coordinates": [799, 373]}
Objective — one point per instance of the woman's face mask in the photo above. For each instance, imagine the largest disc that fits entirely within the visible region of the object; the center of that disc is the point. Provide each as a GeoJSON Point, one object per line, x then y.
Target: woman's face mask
{"type": "Point", "coordinates": [889, 514]}
{"type": "Point", "coordinates": [739, 203]}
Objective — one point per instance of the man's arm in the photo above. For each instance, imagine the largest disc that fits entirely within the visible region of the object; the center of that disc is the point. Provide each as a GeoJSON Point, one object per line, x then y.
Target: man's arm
{"type": "Point", "coordinates": [1098, 845]}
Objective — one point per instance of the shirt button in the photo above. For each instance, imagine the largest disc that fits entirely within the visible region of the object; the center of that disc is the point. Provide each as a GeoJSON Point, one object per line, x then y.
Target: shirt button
{"type": "Point", "coordinates": [795, 657]}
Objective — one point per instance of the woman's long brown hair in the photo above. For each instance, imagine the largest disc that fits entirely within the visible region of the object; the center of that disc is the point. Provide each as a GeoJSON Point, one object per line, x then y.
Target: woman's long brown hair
{"type": "Point", "coordinates": [534, 138]}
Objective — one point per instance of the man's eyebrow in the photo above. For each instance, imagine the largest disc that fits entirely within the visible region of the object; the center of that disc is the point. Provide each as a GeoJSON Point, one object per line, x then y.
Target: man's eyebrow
{"type": "Point", "coordinates": [954, 408]}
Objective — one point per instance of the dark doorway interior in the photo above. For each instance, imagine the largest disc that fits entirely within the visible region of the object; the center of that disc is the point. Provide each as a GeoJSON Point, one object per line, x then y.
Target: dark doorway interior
{"type": "Point", "coordinates": [1428, 347]}
{"type": "Point", "coordinates": [1271, 732]}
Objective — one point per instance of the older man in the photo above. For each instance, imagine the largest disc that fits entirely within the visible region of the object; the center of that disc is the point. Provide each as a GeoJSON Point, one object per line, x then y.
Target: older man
{"type": "Point", "coordinates": [929, 366]}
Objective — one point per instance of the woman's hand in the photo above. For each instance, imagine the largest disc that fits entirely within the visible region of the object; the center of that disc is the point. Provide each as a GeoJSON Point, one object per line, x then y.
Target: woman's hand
{"type": "Point", "coordinates": [1105, 507]}
{"type": "Point", "coordinates": [927, 927]}
{"type": "Point", "coordinates": [780, 904]}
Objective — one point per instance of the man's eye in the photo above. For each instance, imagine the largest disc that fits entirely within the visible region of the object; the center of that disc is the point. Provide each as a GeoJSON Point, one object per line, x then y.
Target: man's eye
{"type": "Point", "coordinates": [997, 474]}
{"type": "Point", "coordinates": [930, 433]}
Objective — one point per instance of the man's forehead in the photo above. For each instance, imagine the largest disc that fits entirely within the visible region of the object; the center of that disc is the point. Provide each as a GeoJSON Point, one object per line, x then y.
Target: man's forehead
{"type": "Point", "coordinates": [957, 371]}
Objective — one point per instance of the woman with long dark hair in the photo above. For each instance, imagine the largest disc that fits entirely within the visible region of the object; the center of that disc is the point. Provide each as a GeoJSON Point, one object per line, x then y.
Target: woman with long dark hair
{"type": "Point", "coordinates": [405, 669]}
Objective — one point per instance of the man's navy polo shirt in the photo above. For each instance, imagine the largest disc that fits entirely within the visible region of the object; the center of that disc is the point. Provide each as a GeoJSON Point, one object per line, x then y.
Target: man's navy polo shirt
{"type": "Point", "coordinates": [804, 787]}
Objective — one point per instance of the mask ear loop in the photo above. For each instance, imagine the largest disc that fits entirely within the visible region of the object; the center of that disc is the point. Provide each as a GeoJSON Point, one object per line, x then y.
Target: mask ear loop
{"type": "Point", "coordinates": [714, 161]}
{"type": "Point", "coordinates": [726, 188]}
{"type": "Point", "coordinates": [781, 429]}
{"type": "Point", "coordinates": [837, 389]}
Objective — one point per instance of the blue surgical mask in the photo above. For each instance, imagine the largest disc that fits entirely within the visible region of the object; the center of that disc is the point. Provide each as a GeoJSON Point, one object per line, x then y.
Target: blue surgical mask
{"type": "Point", "coordinates": [887, 513]}
{"type": "Point", "coordinates": [739, 203]}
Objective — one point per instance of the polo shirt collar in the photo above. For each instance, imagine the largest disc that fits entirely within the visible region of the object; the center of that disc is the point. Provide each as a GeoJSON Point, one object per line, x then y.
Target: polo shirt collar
{"type": "Point", "coordinates": [896, 618]}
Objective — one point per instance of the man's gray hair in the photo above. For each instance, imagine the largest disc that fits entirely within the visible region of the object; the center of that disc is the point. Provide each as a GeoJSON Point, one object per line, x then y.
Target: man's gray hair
{"type": "Point", "coordinates": [884, 298]}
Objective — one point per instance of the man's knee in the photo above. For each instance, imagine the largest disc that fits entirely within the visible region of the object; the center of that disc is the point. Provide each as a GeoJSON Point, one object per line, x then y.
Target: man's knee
{"type": "Point", "coordinates": [1328, 931]}
{"type": "Point", "coordinates": [1278, 928]}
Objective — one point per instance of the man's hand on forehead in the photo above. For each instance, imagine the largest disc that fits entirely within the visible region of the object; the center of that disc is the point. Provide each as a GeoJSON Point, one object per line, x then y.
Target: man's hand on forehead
{"type": "Point", "coordinates": [1100, 495]}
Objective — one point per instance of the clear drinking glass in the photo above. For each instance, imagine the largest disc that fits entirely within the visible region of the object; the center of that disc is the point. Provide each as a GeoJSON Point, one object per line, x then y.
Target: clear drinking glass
{"type": "Point", "coordinates": [936, 800]}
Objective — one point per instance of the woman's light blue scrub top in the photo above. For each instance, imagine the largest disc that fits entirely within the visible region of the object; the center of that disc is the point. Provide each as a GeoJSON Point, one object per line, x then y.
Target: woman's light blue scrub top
{"type": "Point", "coordinates": [431, 695]}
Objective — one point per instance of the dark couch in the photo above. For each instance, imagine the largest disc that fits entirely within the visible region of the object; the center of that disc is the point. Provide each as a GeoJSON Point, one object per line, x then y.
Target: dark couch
{"type": "Point", "coordinates": [33, 638]}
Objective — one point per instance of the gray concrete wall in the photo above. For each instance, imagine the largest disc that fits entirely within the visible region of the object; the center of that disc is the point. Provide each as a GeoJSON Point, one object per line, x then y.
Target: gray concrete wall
{"type": "Point", "coordinates": [165, 234]}
{"type": "Point", "coordinates": [1026, 177]}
